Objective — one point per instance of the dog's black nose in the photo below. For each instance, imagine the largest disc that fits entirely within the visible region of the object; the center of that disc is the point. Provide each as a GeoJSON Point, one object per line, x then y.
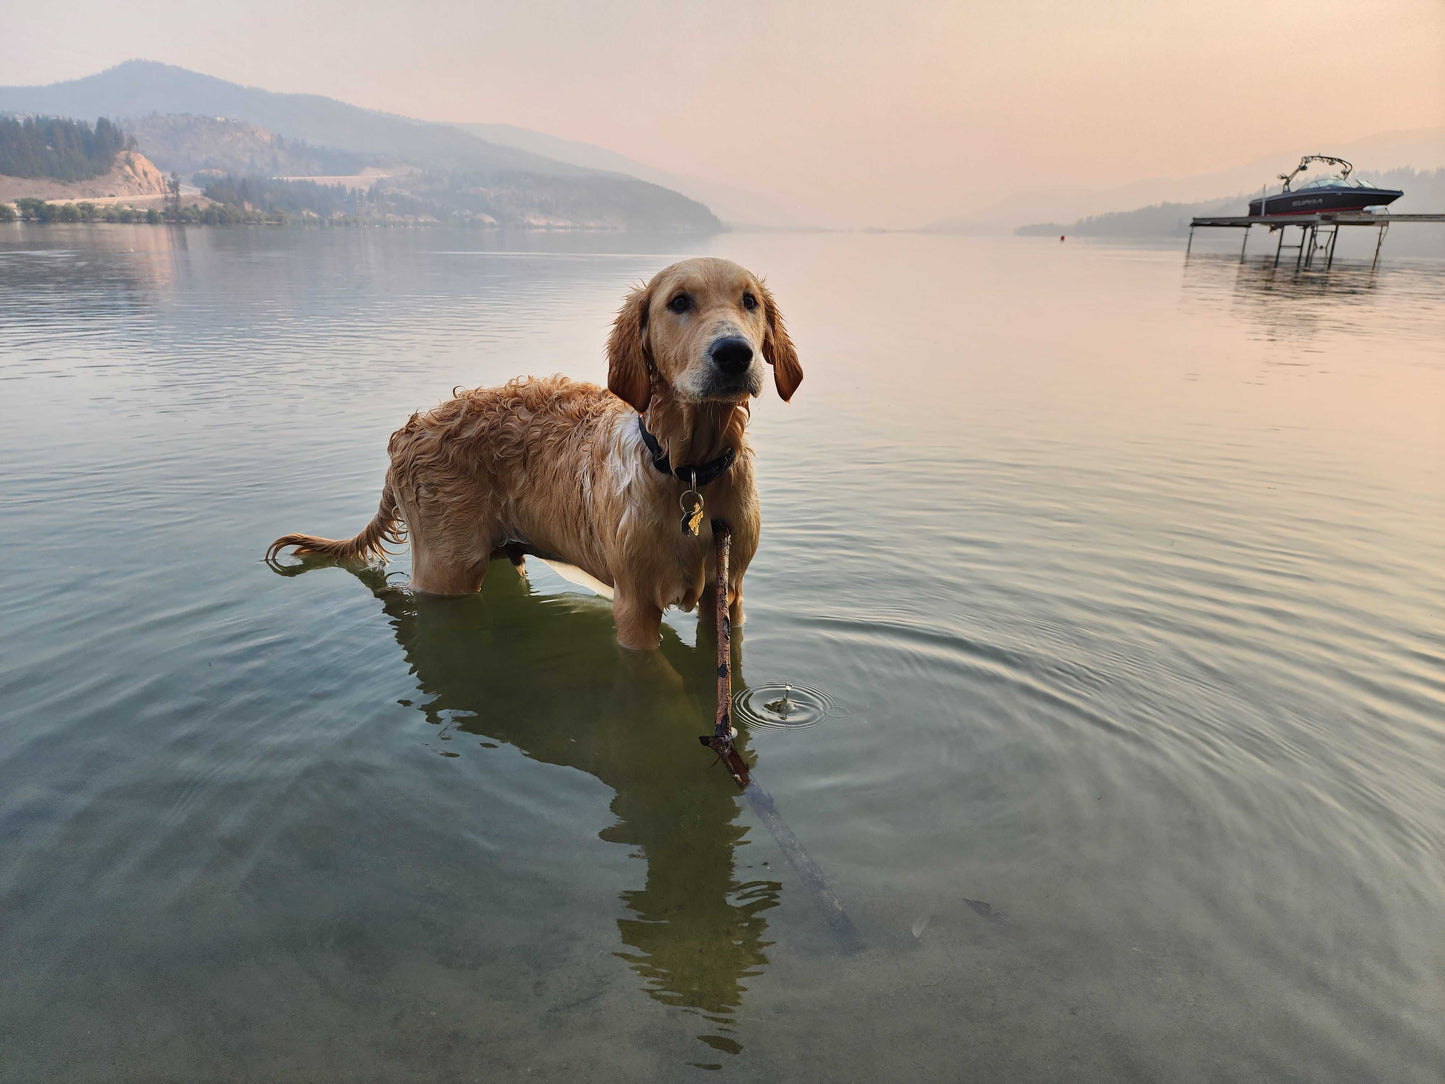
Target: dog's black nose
{"type": "Point", "coordinates": [732, 355]}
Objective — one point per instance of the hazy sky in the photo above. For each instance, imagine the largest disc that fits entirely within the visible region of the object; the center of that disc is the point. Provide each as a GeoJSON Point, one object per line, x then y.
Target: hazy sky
{"type": "Point", "coordinates": [889, 113]}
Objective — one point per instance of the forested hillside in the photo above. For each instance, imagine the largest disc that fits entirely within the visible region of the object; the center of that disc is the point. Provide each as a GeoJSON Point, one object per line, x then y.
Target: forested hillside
{"type": "Point", "coordinates": [65, 150]}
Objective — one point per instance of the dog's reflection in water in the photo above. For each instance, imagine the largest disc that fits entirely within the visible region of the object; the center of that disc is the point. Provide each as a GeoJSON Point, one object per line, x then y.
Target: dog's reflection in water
{"type": "Point", "coordinates": [545, 674]}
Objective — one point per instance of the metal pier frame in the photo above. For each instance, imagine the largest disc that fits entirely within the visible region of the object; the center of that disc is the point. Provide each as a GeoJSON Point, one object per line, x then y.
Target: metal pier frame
{"type": "Point", "coordinates": [1312, 228]}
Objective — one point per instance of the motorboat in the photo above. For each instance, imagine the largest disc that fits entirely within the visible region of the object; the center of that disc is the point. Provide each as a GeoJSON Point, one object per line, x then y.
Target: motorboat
{"type": "Point", "coordinates": [1337, 192]}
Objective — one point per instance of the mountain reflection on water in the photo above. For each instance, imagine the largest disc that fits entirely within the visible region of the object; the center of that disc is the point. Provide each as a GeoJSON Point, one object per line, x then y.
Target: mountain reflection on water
{"type": "Point", "coordinates": [693, 932]}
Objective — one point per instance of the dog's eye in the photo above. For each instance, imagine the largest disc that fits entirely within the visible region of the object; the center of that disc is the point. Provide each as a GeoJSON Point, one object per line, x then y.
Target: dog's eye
{"type": "Point", "coordinates": [680, 303]}
{"type": "Point", "coordinates": [749, 302]}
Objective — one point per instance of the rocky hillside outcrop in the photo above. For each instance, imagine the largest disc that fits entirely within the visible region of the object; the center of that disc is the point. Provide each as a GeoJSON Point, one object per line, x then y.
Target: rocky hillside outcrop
{"type": "Point", "coordinates": [132, 175]}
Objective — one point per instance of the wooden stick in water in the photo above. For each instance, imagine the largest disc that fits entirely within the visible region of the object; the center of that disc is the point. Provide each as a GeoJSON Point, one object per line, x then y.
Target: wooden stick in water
{"type": "Point", "coordinates": [721, 742]}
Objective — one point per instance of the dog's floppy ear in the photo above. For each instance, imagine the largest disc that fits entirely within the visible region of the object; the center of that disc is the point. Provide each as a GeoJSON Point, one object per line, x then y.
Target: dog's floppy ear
{"type": "Point", "coordinates": [628, 356]}
{"type": "Point", "coordinates": [778, 349]}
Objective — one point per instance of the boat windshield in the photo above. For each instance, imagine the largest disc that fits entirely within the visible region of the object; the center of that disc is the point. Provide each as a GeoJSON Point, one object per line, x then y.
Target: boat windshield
{"type": "Point", "coordinates": [1328, 182]}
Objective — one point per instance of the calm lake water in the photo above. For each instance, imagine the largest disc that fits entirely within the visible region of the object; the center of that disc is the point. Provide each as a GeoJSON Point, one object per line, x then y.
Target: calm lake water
{"type": "Point", "coordinates": [1124, 578]}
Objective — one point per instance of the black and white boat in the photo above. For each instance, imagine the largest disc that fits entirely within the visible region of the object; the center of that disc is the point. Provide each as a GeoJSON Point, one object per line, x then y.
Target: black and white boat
{"type": "Point", "coordinates": [1338, 192]}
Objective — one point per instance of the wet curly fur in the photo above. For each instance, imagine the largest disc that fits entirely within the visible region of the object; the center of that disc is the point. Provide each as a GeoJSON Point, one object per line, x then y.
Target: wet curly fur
{"type": "Point", "coordinates": [557, 467]}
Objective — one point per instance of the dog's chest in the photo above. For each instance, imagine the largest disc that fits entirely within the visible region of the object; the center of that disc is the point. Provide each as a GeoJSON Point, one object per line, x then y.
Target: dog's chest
{"type": "Point", "coordinates": [643, 514]}
{"type": "Point", "coordinates": [693, 560]}
{"type": "Point", "coordinates": [682, 564]}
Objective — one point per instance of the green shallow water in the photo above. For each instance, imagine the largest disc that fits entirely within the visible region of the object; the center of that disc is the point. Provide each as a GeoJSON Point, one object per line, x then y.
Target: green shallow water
{"type": "Point", "coordinates": [1122, 579]}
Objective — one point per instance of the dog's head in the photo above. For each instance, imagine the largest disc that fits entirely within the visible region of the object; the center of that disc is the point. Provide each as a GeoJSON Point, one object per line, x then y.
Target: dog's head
{"type": "Point", "coordinates": [704, 328]}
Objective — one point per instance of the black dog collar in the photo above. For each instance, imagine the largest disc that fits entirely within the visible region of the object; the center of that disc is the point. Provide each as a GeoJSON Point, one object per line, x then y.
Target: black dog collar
{"type": "Point", "coordinates": [697, 476]}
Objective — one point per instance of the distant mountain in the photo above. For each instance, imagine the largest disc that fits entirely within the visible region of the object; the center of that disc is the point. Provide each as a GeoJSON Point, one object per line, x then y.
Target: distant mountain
{"type": "Point", "coordinates": [739, 206]}
{"type": "Point", "coordinates": [143, 90]}
{"type": "Point", "coordinates": [570, 151]}
{"type": "Point", "coordinates": [1156, 220]}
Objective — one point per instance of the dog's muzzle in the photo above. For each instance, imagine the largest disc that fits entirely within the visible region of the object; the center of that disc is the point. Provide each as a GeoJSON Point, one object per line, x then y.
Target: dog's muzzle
{"type": "Point", "coordinates": [732, 355]}
{"type": "Point", "coordinates": [735, 370]}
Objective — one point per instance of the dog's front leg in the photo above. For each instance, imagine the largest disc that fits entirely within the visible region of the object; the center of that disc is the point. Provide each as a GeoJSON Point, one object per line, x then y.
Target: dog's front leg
{"type": "Point", "coordinates": [735, 603]}
{"type": "Point", "coordinates": [639, 621]}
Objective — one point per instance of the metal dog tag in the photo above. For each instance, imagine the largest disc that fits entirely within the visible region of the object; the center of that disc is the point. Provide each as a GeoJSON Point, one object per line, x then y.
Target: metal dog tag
{"type": "Point", "coordinates": [691, 503]}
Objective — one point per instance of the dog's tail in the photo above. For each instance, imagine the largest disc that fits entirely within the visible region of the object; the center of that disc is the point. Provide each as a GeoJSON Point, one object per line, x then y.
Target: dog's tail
{"type": "Point", "coordinates": [385, 527]}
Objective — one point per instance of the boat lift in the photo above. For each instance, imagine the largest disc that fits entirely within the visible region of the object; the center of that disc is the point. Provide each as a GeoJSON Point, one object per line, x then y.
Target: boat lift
{"type": "Point", "coordinates": [1318, 232]}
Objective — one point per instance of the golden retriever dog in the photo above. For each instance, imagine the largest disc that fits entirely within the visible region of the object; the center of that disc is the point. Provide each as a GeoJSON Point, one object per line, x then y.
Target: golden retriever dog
{"type": "Point", "coordinates": [604, 479]}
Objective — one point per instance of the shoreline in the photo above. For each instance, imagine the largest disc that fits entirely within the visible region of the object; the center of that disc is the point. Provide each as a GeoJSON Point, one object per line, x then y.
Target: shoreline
{"type": "Point", "coordinates": [194, 210]}
{"type": "Point", "coordinates": [143, 217]}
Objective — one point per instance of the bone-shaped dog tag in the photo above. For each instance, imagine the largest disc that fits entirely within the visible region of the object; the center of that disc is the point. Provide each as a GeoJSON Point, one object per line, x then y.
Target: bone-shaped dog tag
{"type": "Point", "coordinates": [691, 503]}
